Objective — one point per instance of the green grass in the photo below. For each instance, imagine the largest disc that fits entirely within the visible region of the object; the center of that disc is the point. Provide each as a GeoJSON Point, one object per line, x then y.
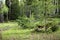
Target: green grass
{"type": "Point", "coordinates": [27, 35]}
{"type": "Point", "coordinates": [15, 33]}
{"type": "Point", "coordinates": [8, 24]}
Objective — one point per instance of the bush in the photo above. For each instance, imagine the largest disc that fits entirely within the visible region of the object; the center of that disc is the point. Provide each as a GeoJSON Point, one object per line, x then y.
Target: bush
{"type": "Point", "coordinates": [52, 26]}
{"type": "Point", "coordinates": [26, 22]}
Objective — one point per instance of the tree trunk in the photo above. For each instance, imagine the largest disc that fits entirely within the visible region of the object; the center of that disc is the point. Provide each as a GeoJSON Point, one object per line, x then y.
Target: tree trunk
{"type": "Point", "coordinates": [1, 17]}
{"type": "Point", "coordinates": [6, 17]}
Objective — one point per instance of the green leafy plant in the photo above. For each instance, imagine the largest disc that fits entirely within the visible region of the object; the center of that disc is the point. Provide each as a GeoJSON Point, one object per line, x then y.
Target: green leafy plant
{"type": "Point", "coordinates": [52, 26]}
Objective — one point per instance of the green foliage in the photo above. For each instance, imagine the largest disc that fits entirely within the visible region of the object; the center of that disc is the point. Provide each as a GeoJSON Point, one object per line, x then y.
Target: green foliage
{"type": "Point", "coordinates": [4, 9]}
{"type": "Point", "coordinates": [15, 8]}
{"type": "Point", "coordinates": [38, 8]}
{"type": "Point", "coordinates": [54, 28]}
{"type": "Point", "coordinates": [26, 22]}
{"type": "Point", "coordinates": [23, 21]}
{"type": "Point", "coordinates": [52, 25]}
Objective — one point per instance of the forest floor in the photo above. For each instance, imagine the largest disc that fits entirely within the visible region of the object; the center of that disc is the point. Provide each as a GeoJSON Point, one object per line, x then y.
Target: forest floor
{"type": "Point", "coordinates": [11, 31]}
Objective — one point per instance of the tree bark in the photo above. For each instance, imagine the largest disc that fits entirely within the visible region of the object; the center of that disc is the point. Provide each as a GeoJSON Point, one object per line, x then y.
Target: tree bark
{"type": "Point", "coordinates": [1, 17]}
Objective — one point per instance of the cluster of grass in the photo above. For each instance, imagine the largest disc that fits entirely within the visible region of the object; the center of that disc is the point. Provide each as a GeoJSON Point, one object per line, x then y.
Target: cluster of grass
{"type": "Point", "coordinates": [27, 35]}
{"type": "Point", "coordinates": [8, 24]}
{"type": "Point", "coordinates": [16, 33]}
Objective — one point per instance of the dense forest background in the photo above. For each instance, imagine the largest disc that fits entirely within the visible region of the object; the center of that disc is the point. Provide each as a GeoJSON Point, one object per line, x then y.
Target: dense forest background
{"type": "Point", "coordinates": [12, 9]}
{"type": "Point", "coordinates": [23, 18]}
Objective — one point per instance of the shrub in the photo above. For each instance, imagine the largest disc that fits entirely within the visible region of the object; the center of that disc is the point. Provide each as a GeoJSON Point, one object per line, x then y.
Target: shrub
{"type": "Point", "coordinates": [52, 26]}
{"type": "Point", "coordinates": [26, 22]}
